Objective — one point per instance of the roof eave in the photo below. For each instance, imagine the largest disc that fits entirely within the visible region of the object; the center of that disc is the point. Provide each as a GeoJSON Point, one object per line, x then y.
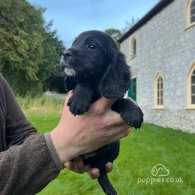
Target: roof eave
{"type": "Point", "coordinates": [155, 10]}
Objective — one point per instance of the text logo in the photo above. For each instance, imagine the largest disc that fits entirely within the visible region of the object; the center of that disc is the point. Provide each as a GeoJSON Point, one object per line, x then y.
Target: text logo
{"type": "Point", "coordinates": [159, 170]}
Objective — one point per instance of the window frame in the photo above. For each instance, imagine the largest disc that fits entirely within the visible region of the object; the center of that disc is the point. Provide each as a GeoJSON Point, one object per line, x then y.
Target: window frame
{"type": "Point", "coordinates": [189, 24]}
{"type": "Point", "coordinates": [189, 104]}
{"type": "Point", "coordinates": [156, 97]}
{"type": "Point", "coordinates": [132, 47]}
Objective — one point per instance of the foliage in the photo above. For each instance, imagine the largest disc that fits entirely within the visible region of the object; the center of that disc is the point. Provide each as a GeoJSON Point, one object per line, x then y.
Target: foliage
{"type": "Point", "coordinates": [128, 24]}
{"type": "Point", "coordinates": [20, 39]}
{"type": "Point", "coordinates": [41, 104]}
{"type": "Point", "coordinates": [23, 46]}
{"type": "Point", "coordinates": [53, 49]}
{"type": "Point", "coordinates": [115, 34]}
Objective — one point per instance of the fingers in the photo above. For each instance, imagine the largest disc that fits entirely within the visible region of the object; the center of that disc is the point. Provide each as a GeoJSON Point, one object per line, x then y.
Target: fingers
{"type": "Point", "coordinates": [69, 165]}
{"type": "Point", "coordinates": [76, 165]}
{"type": "Point", "coordinates": [94, 173]}
{"type": "Point", "coordinates": [79, 166]}
{"type": "Point", "coordinates": [101, 105]}
{"type": "Point", "coordinates": [109, 167]}
{"type": "Point", "coordinates": [113, 118]}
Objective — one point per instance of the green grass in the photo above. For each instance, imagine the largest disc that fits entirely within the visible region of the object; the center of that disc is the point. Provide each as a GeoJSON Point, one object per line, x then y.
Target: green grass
{"type": "Point", "coordinates": [140, 151]}
{"type": "Point", "coordinates": [41, 104]}
{"type": "Point", "coordinates": [42, 111]}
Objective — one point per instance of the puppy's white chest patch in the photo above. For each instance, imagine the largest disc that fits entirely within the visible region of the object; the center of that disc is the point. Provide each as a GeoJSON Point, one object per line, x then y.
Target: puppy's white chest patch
{"type": "Point", "coordinates": [69, 71]}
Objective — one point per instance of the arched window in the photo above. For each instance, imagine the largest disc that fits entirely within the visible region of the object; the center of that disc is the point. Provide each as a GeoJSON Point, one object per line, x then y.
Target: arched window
{"type": "Point", "coordinates": [159, 92]}
{"type": "Point", "coordinates": [190, 13]}
{"type": "Point", "coordinates": [134, 46]}
{"type": "Point", "coordinates": [191, 88]}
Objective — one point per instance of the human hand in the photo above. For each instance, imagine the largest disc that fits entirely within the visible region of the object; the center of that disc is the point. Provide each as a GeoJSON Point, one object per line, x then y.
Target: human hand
{"type": "Point", "coordinates": [81, 134]}
{"type": "Point", "coordinates": [77, 166]}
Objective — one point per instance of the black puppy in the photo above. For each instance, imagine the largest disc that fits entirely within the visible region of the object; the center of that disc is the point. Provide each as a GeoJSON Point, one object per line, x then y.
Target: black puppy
{"type": "Point", "coordinates": [95, 67]}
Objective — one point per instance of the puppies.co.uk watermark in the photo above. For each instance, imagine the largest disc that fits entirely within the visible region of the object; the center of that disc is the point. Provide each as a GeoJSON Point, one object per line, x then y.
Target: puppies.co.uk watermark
{"type": "Point", "coordinates": [159, 174]}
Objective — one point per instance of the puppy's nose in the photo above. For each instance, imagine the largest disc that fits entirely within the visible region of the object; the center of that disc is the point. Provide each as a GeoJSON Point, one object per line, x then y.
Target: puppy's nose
{"type": "Point", "coordinates": [67, 54]}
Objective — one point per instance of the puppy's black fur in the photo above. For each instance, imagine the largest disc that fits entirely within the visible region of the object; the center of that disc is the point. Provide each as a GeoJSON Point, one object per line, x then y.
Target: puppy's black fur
{"type": "Point", "coordinates": [95, 67]}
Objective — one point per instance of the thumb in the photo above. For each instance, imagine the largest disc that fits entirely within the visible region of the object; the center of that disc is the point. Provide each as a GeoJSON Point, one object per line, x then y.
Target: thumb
{"type": "Point", "coordinates": [69, 95]}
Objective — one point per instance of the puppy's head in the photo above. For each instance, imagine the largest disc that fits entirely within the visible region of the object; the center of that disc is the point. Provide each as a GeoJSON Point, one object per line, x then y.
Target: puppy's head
{"type": "Point", "coordinates": [94, 57]}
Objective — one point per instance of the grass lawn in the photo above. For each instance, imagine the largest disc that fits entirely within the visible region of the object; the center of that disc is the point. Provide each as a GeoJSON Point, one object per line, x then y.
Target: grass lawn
{"type": "Point", "coordinates": [140, 152]}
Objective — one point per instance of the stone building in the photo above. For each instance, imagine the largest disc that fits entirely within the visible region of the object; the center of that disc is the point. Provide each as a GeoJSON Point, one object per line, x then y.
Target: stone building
{"type": "Point", "coordinates": [160, 48]}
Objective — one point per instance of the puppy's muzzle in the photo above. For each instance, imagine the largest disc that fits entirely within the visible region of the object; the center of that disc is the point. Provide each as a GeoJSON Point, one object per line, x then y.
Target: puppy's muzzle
{"type": "Point", "coordinates": [64, 63]}
{"type": "Point", "coordinates": [65, 58]}
{"type": "Point", "coordinates": [67, 54]}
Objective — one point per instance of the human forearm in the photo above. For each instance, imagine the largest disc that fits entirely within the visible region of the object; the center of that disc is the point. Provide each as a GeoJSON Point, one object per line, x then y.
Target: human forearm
{"type": "Point", "coordinates": [27, 168]}
{"type": "Point", "coordinates": [14, 127]}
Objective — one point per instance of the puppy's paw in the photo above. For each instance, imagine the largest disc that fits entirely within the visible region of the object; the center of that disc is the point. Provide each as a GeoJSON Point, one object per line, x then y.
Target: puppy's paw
{"type": "Point", "coordinates": [133, 117]}
{"type": "Point", "coordinates": [78, 106]}
{"type": "Point", "coordinates": [129, 111]}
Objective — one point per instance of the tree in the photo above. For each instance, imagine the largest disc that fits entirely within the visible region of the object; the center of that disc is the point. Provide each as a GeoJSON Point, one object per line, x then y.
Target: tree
{"type": "Point", "coordinates": [28, 48]}
{"type": "Point", "coordinates": [21, 27]}
{"type": "Point", "coordinates": [115, 34]}
{"type": "Point", "coordinates": [53, 49]}
{"type": "Point", "coordinates": [128, 25]}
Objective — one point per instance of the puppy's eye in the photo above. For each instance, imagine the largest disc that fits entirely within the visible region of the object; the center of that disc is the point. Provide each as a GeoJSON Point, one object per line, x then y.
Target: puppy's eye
{"type": "Point", "coordinates": [92, 46]}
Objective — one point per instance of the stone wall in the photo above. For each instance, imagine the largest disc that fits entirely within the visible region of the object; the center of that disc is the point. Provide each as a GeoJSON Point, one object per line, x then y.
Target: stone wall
{"type": "Point", "coordinates": [164, 46]}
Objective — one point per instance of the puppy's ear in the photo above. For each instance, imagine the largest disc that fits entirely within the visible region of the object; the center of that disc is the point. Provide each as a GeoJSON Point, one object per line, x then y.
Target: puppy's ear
{"type": "Point", "coordinates": [116, 80]}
